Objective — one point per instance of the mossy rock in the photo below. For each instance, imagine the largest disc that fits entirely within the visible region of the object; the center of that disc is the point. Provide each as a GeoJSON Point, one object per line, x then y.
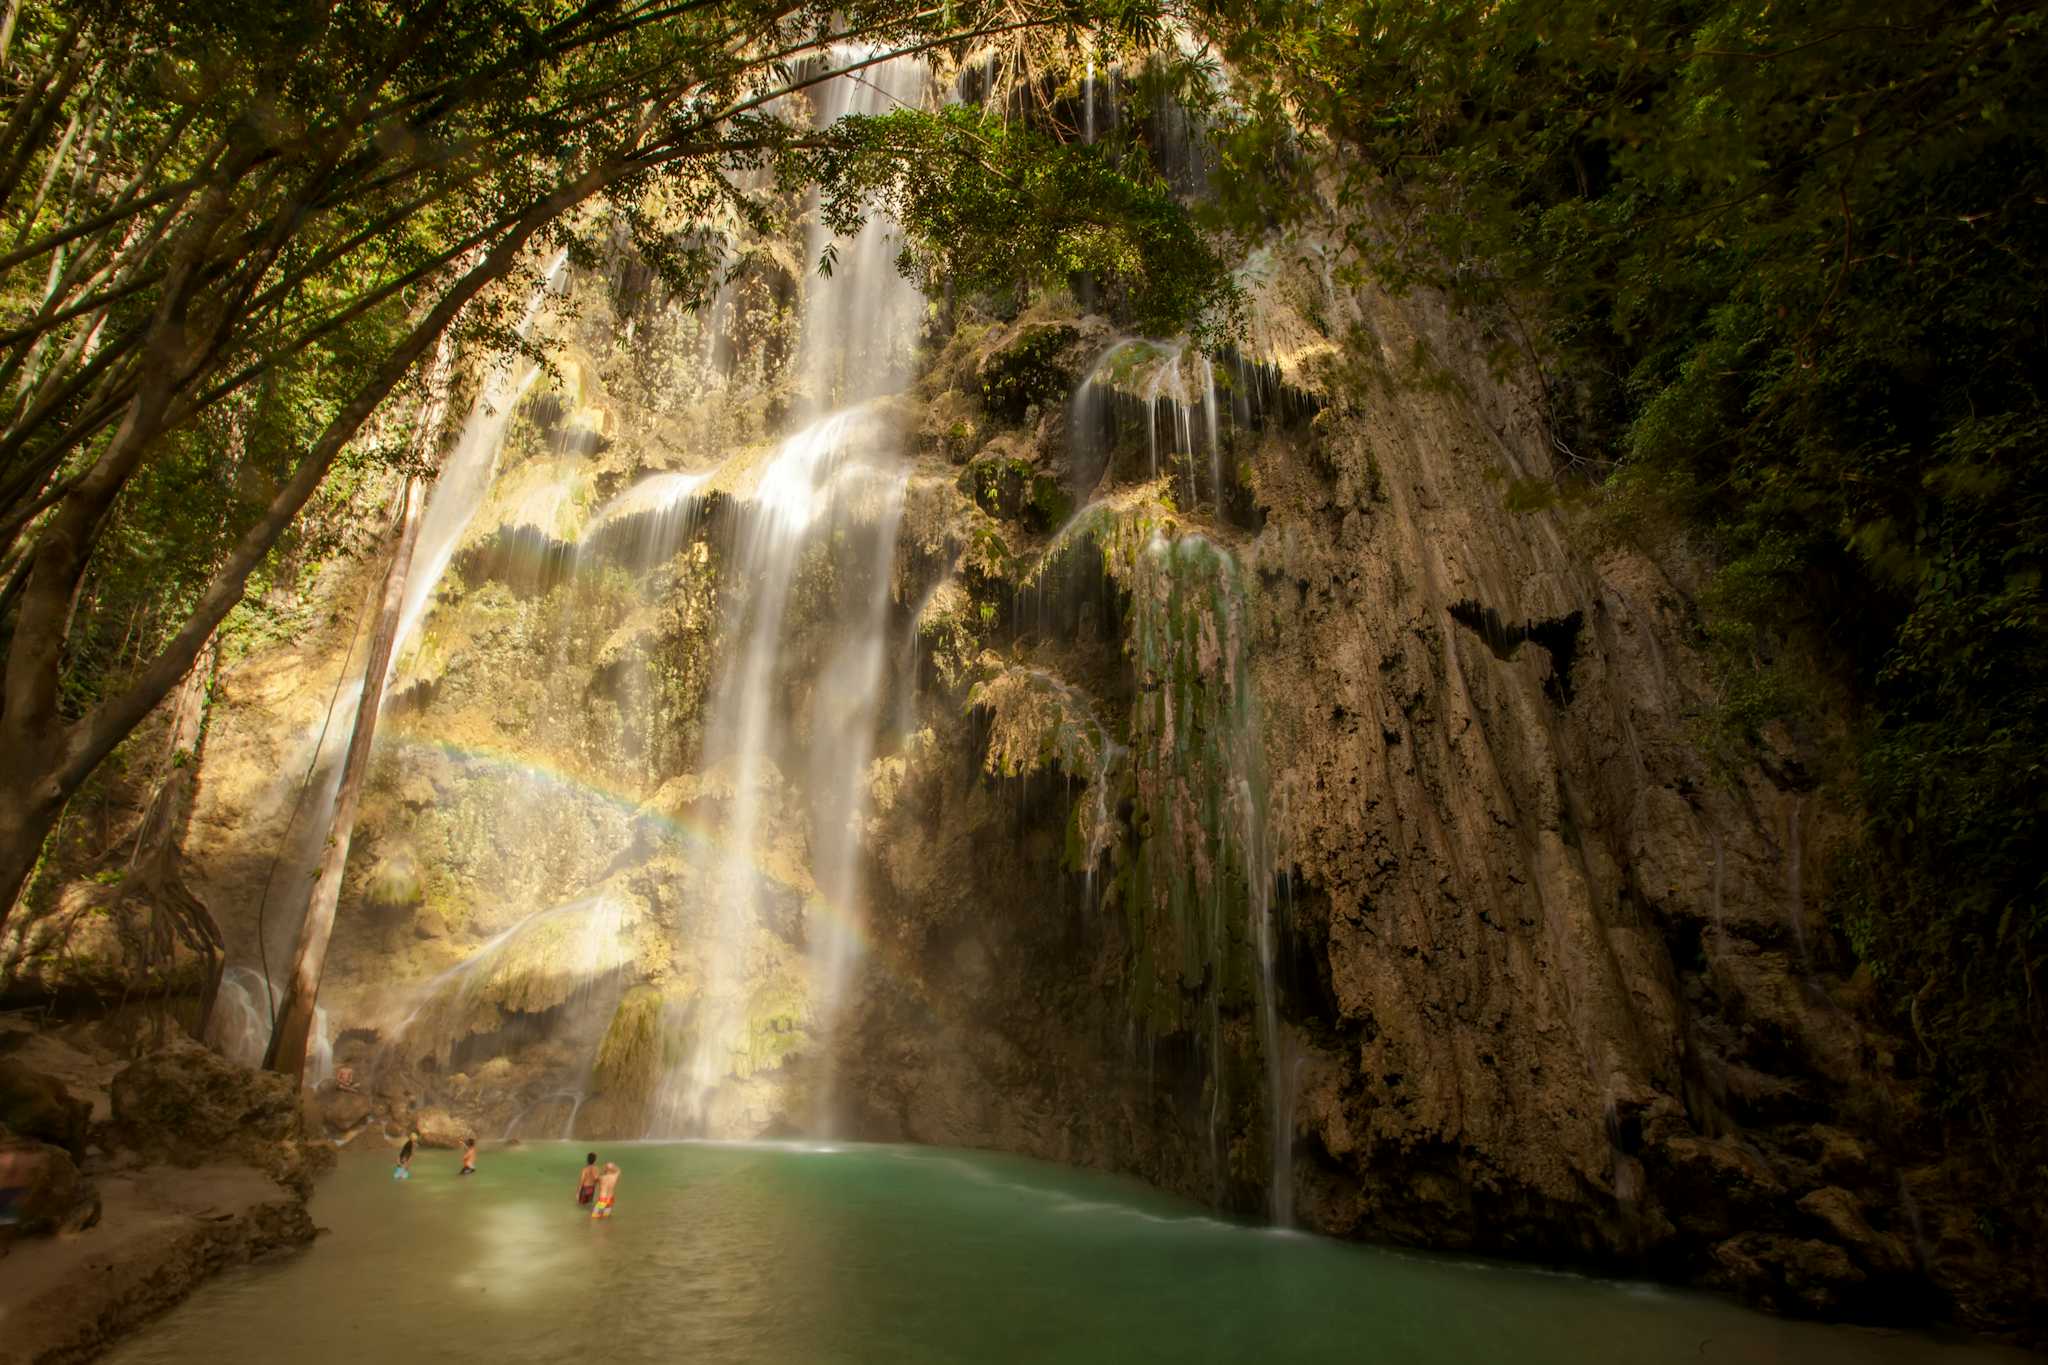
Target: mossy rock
{"type": "Point", "coordinates": [394, 882]}
{"type": "Point", "coordinates": [997, 481]}
{"type": "Point", "coordinates": [1051, 504]}
{"type": "Point", "coordinates": [776, 1029]}
{"type": "Point", "coordinates": [1012, 488]}
{"type": "Point", "coordinates": [1033, 368]}
{"type": "Point", "coordinates": [630, 1056]}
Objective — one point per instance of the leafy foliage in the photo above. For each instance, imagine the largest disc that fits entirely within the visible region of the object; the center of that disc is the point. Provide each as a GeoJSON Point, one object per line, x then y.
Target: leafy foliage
{"type": "Point", "coordinates": [231, 235]}
{"type": "Point", "coordinates": [999, 206]}
{"type": "Point", "coordinates": [1789, 259]}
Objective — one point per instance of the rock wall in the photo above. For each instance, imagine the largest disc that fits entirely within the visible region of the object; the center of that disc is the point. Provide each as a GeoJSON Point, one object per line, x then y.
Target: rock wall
{"type": "Point", "coordinates": [1283, 795]}
{"type": "Point", "coordinates": [1553, 983]}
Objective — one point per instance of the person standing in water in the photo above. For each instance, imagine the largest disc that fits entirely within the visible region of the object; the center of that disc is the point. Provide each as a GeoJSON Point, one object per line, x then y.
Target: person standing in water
{"type": "Point", "coordinates": [403, 1170]}
{"type": "Point", "coordinates": [607, 1190]}
{"type": "Point", "coordinates": [469, 1156]}
{"type": "Point", "coordinates": [586, 1184]}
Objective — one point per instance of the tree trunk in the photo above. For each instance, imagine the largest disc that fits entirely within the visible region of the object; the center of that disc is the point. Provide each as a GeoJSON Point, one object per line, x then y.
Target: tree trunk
{"type": "Point", "coordinates": [29, 807]}
{"type": "Point", "coordinates": [288, 1040]}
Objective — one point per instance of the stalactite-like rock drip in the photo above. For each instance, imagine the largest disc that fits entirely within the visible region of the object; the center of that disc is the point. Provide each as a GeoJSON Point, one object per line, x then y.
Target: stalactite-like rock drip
{"type": "Point", "coordinates": [1038, 722]}
{"type": "Point", "coordinates": [1241, 775]}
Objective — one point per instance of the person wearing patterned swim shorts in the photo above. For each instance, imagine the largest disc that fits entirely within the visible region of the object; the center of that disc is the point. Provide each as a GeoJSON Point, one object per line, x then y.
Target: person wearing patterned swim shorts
{"type": "Point", "coordinates": [607, 1190]}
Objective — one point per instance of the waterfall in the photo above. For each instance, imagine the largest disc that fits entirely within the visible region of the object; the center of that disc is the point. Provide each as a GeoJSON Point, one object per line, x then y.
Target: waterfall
{"type": "Point", "coordinates": [836, 486]}
{"type": "Point", "coordinates": [467, 471]}
{"type": "Point", "coordinates": [1201, 780]}
{"type": "Point", "coordinates": [1172, 386]}
{"type": "Point", "coordinates": [551, 958]}
{"type": "Point", "coordinates": [465, 477]}
{"type": "Point", "coordinates": [846, 709]}
{"type": "Point", "coordinates": [240, 1025]}
{"type": "Point", "coordinates": [860, 324]}
{"type": "Point", "coordinates": [650, 521]}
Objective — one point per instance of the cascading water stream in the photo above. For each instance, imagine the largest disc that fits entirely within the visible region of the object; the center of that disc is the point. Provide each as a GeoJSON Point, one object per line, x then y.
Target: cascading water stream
{"type": "Point", "coordinates": [837, 485]}
{"type": "Point", "coordinates": [1174, 385]}
{"type": "Point", "coordinates": [846, 705]}
{"type": "Point", "coordinates": [467, 472]}
{"type": "Point", "coordinates": [807, 483]}
{"type": "Point", "coordinates": [465, 477]}
{"type": "Point", "coordinates": [580, 944]}
{"type": "Point", "coordinates": [1200, 760]}
{"type": "Point", "coordinates": [240, 1026]}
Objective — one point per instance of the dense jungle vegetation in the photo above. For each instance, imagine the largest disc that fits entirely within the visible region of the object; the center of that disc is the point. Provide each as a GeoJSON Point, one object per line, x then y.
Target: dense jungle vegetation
{"type": "Point", "coordinates": [1783, 267]}
{"type": "Point", "coordinates": [242, 248]}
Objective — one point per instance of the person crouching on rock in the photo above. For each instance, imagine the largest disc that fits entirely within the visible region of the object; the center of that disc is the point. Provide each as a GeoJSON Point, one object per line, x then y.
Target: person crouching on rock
{"type": "Point", "coordinates": [403, 1170]}
{"type": "Point", "coordinates": [607, 1190]}
{"type": "Point", "coordinates": [586, 1184]}
{"type": "Point", "coordinates": [469, 1156]}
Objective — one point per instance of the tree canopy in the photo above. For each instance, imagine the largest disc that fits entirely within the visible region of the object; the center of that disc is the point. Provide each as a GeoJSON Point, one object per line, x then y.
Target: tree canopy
{"type": "Point", "coordinates": [1782, 267]}
{"type": "Point", "coordinates": [230, 233]}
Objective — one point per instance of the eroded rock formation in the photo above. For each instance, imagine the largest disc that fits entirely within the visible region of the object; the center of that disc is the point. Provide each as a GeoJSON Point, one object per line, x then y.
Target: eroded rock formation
{"type": "Point", "coordinates": [1262, 799]}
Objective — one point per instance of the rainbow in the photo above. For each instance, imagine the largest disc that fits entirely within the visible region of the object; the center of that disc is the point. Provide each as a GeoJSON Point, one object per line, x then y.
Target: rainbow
{"type": "Point", "coordinates": [696, 834]}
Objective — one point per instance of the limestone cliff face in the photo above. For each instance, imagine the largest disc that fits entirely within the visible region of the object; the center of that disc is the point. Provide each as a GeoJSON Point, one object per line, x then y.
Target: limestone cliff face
{"type": "Point", "coordinates": [1267, 792]}
{"type": "Point", "coordinates": [1550, 981]}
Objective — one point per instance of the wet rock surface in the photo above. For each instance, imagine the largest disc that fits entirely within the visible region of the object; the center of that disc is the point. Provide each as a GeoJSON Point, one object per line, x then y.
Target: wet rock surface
{"type": "Point", "coordinates": [198, 1168]}
{"type": "Point", "coordinates": [1547, 981]}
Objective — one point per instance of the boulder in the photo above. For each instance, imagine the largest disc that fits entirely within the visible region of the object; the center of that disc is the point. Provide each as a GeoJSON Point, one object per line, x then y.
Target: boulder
{"type": "Point", "coordinates": [1838, 1215]}
{"type": "Point", "coordinates": [369, 1138]}
{"type": "Point", "coordinates": [342, 1111]}
{"type": "Point", "coordinates": [190, 1104]}
{"type": "Point", "coordinates": [1712, 1187]}
{"type": "Point", "coordinates": [34, 1105]}
{"type": "Point", "coordinates": [1842, 1157]}
{"type": "Point", "coordinates": [439, 1128]}
{"type": "Point", "coordinates": [41, 1189]}
{"type": "Point", "coordinates": [1788, 1274]}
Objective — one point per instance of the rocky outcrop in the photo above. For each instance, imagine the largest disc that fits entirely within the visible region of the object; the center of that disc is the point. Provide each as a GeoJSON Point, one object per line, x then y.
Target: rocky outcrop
{"type": "Point", "coordinates": [163, 1232]}
{"type": "Point", "coordinates": [39, 1106]}
{"type": "Point", "coordinates": [187, 1105]}
{"type": "Point", "coordinates": [197, 1168]}
{"type": "Point", "coordinates": [42, 1191]}
{"type": "Point", "coordinates": [1290, 794]}
{"type": "Point", "coordinates": [437, 1127]}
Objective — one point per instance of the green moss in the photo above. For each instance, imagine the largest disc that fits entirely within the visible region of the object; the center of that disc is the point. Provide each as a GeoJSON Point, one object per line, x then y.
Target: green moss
{"type": "Point", "coordinates": [1031, 370]}
{"type": "Point", "coordinates": [775, 1026]}
{"type": "Point", "coordinates": [630, 1055]}
{"type": "Point", "coordinates": [1197, 752]}
{"type": "Point", "coordinates": [633, 1055]}
{"type": "Point", "coordinates": [1051, 504]}
{"type": "Point", "coordinates": [1117, 528]}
